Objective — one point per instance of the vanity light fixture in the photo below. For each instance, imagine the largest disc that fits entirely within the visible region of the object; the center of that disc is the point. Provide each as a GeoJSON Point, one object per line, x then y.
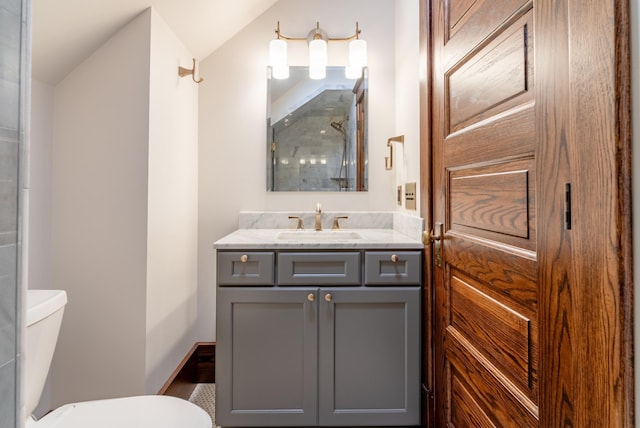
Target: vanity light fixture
{"type": "Point", "coordinates": [317, 40]}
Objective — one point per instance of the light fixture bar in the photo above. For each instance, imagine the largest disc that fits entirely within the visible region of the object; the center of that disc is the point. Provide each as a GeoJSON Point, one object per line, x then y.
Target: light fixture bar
{"type": "Point", "coordinates": [317, 40]}
{"type": "Point", "coordinates": [356, 35]}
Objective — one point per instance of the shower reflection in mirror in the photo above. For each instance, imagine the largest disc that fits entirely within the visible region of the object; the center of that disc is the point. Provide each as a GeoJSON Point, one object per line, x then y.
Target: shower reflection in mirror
{"type": "Point", "coordinates": [317, 132]}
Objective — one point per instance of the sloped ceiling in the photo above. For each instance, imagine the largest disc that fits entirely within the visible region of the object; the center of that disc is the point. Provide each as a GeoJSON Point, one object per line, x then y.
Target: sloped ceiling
{"type": "Point", "coordinates": [65, 32]}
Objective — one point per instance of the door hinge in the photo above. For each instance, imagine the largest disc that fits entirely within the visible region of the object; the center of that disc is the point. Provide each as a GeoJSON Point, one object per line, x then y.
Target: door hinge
{"type": "Point", "coordinates": [567, 206]}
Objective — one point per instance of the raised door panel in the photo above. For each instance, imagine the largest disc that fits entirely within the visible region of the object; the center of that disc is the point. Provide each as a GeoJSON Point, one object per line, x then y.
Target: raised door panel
{"type": "Point", "coordinates": [529, 160]}
{"type": "Point", "coordinates": [266, 366]}
{"type": "Point", "coordinates": [369, 373]}
{"type": "Point", "coordinates": [486, 290]}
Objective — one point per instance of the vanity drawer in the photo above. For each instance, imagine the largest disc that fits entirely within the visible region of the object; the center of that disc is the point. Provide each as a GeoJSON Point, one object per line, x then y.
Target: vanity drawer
{"type": "Point", "coordinates": [393, 267]}
{"type": "Point", "coordinates": [245, 268]}
{"type": "Point", "coordinates": [333, 268]}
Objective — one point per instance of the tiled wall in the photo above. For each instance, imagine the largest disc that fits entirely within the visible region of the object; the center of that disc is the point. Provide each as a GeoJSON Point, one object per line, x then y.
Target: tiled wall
{"type": "Point", "coordinates": [309, 155]}
{"type": "Point", "coordinates": [11, 70]}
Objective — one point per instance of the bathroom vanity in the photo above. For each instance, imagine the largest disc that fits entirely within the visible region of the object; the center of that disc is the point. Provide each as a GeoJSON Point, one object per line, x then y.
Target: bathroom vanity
{"type": "Point", "coordinates": [318, 328]}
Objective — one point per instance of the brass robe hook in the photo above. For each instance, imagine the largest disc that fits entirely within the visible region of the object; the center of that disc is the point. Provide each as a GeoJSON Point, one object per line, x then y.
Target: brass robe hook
{"type": "Point", "coordinates": [185, 72]}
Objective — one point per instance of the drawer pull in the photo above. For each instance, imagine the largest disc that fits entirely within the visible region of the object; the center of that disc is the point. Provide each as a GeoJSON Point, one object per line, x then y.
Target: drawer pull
{"type": "Point", "coordinates": [395, 258]}
{"type": "Point", "coordinates": [244, 258]}
{"type": "Point", "coordinates": [328, 297]}
{"type": "Point", "coordinates": [311, 297]}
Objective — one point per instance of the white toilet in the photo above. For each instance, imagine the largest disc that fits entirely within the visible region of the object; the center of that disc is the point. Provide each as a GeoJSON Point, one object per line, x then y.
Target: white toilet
{"type": "Point", "coordinates": [44, 317]}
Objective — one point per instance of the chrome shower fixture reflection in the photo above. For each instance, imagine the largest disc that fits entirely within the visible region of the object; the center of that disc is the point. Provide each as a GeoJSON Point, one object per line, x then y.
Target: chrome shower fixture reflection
{"type": "Point", "coordinates": [338, 126]}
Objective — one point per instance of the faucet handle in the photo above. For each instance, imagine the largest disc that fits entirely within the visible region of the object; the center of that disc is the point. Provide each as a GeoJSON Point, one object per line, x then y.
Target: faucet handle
{"type": "Point", "coordinates": [336, 221]}
{"type": "Point", "coordinates": [299, 223]}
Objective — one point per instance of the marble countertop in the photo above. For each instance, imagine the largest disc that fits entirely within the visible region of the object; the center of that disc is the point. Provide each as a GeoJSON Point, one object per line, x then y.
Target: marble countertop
{"type": "Point", "coordinates": [249, 239]}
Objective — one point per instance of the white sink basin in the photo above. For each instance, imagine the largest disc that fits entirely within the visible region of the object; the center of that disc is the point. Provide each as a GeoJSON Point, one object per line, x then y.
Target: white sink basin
{"type": "Point", "coordinates": [319, 235]}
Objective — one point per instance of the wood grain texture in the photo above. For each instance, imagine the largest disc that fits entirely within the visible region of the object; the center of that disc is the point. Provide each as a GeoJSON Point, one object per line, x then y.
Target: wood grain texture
{"type": "Point", "coordinates": [580, 116]}
{"type": "Point", "coordinates": [465, 410]}
{"type": "Point", "coordinates": [480, 23]}
{"type": "Point", "coordinates": [457, 10]}
{"type": "Point", "coordinates": [585, 318]}
{"type": "Point", "coordinates": [486, 295]}
{"type": "Point", "coordinates": [496, 202]}
{"type": "Point", "coordinates": [498, 332]}
{"type": "Point", "coordinates": [493, 393]}
{"type": "Point", "coordinates": [493, 79]}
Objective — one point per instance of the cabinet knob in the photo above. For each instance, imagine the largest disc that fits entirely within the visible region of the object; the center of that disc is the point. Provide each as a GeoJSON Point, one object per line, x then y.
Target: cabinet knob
{"type": "Point", "coordinates": [311, 297]}
{"type": "Point", "coordinates": [328, 297]}
{"type": "Point", "coordinates": [244, 258]}
{"type": "Point", "coordinates": [394, 258]}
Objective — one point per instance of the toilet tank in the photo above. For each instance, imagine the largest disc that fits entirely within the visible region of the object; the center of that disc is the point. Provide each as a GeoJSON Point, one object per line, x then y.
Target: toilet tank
{"type": "Point", "coordinates": [43, 317]}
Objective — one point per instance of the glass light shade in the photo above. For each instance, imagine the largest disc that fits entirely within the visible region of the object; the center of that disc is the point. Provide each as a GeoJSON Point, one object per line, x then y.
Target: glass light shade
{"type": "Point", "coordinates": [278, 59]}
{"type": "Point", "coordinates": [352, 72]}
{"type": "Point", "coordinates": [317, 59]}
{"type": "Point", "coordinates": [280, 72]}
{"type": "Point", "coordinates": [358, 53]}
{"type": "Point", "coordinates": [277, 53]}
{"type": "Point", "coordinates": [317, 72]}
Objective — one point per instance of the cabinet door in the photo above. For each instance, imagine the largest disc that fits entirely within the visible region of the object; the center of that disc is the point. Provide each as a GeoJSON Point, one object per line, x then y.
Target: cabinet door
{"type": "Point", "coordinates": [369, 364]}
{"type": "Point", "coordinates": [266, 357]}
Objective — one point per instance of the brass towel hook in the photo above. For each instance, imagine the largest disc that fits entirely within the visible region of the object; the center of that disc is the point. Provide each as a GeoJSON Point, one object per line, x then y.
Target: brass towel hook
{"type": "Point", "coordinates": [388, 160]}
{"type": "Point", "coordinates": [185, 72]}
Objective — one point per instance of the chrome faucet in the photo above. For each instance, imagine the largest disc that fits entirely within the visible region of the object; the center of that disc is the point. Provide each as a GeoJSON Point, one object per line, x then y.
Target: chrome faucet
{"type": "Point", "coordinates": [318, 217]}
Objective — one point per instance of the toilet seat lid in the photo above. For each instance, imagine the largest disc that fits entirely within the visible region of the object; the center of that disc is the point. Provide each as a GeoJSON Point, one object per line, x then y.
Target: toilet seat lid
{"type": "Point", "coordinates": [152, 411]}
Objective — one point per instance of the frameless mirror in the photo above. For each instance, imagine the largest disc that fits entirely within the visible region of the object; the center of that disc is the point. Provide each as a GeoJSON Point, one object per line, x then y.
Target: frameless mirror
{"type": "Point", "coordinates": [316, 132]}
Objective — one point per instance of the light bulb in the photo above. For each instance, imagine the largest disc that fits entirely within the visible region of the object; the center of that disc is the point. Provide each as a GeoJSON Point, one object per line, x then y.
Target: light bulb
{"type": "Point", "coordinates": [277, 52]}
{"type": "Point", "coordinates": [352, 72]}
{"type": "Point", "coordinates": [358, 53]}
{"type": "Point", "coordinates": [280, 72]}
{"type": "Point", "coordinates": [278, 58]}
{"type": "Point", "coordinates": [317, 59]}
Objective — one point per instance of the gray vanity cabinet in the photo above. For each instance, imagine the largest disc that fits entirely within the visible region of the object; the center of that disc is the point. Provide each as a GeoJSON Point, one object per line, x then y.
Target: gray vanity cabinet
{"type": "Point", "coordinates": [300, 352]}
{"type": "Point", "coordinates": [266, 357]}
{"type": "Point", "coordinates": [369, 357]}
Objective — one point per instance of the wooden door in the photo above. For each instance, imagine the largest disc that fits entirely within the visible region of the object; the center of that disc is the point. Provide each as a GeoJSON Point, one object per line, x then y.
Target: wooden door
{"type": "Point", "coordinates": [529, 160]}
{"type": "Point", "coordinates": [485, 183]}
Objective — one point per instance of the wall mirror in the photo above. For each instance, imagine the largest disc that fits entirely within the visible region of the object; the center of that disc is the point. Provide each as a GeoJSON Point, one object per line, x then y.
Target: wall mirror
{"type": "Point", "coordinates": [316, 132]}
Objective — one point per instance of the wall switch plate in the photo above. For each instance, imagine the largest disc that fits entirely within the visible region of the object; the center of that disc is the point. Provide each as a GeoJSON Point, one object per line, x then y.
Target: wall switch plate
{"type": "Point", "coordinates": [410, 196]}
{"type": "Point", "coordinates": [399, 195]}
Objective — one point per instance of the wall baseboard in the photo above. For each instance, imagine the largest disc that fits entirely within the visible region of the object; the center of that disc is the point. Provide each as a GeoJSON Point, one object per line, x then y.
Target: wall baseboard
{"type": "Point", "coordinates": [198, 366]}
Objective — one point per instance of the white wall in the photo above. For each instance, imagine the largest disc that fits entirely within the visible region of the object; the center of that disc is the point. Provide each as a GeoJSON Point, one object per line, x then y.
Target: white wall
{"type": "Point", "coordinates": [172, 208]}
{"type": "Point", "coordinates": [99, 219]}
{"type": "Point", "coordinates": [406, 167]}
{"type": "Point", "coordinates": [125, 183]}
{"type": "Point", "coordinates": [232, 109]}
